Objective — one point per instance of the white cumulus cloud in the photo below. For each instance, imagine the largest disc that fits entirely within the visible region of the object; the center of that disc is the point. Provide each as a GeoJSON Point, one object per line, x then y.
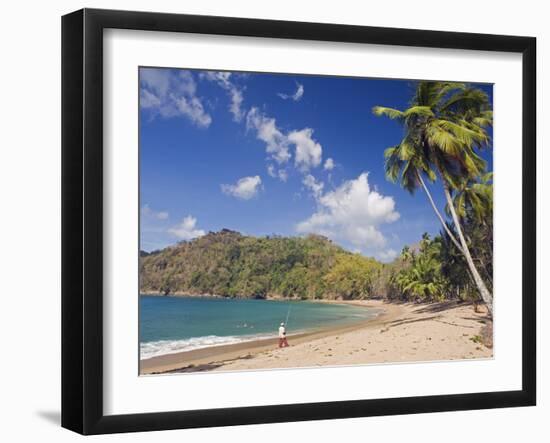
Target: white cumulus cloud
{"type": "Point", "coordinates": [187, 230]}
{"type": "Point", "coordinates": [223, 79]}
{"type": "Point", "coordinates": [169, 93]}
{"type": "Point", "coordinates": [297, 96]}
{"type": "Point", "coordinates": [387, 255]}
{"type": "Point", "coordinates": [266, 130]}
{"type": "Point", "coordinates": [313, 185]}
{"type": "Point", "coordinates": [308, 152]}
{"type": "Point", "coordinates": [245, 188]}
{"type": "Point", "coordinates": [148, 212]}
{"type": "Point", "coordinates": [281, 174]}
{"type": "Point", "coordinates": [352, 213]}
{"type": "Point", "coordinates": [148, 100]}
{"type": "Point", "coordinates": [329, 164]}
{"type": "Point", "coordinates": [192, 108]}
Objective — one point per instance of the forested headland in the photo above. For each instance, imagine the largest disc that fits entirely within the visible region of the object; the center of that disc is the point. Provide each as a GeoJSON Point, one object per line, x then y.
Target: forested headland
{"type": "Point", "coordinates": [229, 264]}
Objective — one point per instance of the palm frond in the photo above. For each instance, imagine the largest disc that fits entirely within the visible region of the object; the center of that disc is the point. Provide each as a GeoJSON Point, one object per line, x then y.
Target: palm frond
{"type": "Point", "coordinates": [446, 88]}
{"type": "Point", "coordinates": [466, 100]}
{"type": "Point", "coordinates": [394, 114]}
{"type": "Point", "coordinates": [467, 135]}
{"type": "Point", "coordinates": [442, 139]}
{"type": "Point", "coordinates": [418, 111]}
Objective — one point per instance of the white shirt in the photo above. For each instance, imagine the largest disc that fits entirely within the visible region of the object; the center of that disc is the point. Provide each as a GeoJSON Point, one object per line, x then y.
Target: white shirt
{"type": "Point", "coordinates": [281, 331]}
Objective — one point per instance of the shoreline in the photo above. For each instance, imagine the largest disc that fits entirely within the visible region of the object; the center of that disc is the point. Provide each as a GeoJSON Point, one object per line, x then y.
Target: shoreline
{"type": "Point", "coordinates": [228, 297]}
{"type": "Point", "coordinates": [209, 358]}
{"type": "Point", "coordinates": [403, 332]}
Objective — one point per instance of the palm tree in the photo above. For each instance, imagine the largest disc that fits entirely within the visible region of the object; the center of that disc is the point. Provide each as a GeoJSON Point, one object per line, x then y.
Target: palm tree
{"type": "Point", "coordinates": [406, 253]}
{"type": "Point", "coordinates": [474, 198]}
{"type": "Point", "coordinates": [423, 279]}
{"type": "Point", "coordinates": [473, 201]}
{"type": "Point", "coordinates": [444, 126]}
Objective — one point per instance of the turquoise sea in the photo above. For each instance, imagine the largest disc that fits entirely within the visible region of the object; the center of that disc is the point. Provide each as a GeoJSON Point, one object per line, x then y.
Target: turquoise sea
{"type": "Point", "coordinates": [174, 324]}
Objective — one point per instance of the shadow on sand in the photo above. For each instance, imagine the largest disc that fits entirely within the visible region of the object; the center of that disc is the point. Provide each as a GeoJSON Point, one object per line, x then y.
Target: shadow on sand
{"type": "Point", "coordinates": [203, 367]}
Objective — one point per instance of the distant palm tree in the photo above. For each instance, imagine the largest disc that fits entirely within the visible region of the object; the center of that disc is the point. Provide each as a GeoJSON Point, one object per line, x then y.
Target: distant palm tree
{"type": "Point", "coordinates": [444, 126]}
{"type": "Point", "coordinates": [423, 279]}
{"type": "Point", "coordinates": [406, 253]}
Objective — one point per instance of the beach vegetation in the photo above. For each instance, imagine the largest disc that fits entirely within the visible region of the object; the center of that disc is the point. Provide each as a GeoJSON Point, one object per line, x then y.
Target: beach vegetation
{"type": "Point", "coordinates": [445, 129]}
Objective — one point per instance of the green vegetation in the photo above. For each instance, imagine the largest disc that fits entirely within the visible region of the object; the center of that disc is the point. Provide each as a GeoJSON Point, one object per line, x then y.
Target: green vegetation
{"type": "Point", "coordinates": [421, 279]}
{"type": "Point", "coordinates": [230, 264]}
{"type": "Point", "coordinates": [476, 339]}
{"type": "Point", "coordinates": [352, 276]}
{"type": "Point", "coordinates": [435, 270]}
{"type": "Point", "coordinates": [444, 130]}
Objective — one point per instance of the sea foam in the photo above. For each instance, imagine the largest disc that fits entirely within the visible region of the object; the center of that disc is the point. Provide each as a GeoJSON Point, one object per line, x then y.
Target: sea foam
{"type": "Point", "coordinates": [163, 347]}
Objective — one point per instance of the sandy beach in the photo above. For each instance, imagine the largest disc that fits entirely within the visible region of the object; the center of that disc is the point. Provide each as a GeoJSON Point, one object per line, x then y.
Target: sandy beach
{"type": "Point", "coordinates": [400, 333]}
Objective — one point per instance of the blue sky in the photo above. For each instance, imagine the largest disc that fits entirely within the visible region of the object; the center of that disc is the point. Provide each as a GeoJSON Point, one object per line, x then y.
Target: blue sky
{"type": "Point", "coordinates": [281, 154]}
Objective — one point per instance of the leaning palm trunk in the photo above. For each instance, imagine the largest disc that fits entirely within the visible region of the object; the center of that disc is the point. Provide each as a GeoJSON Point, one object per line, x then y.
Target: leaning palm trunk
{"type": "Point", "coordinates": [486, 295]}
{"type": "Point", "coordinates": [447, 230]}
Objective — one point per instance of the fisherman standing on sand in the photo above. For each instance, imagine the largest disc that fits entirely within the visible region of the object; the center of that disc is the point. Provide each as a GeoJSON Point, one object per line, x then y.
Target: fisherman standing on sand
{"type": "Point", "coordinates": [283, 343]}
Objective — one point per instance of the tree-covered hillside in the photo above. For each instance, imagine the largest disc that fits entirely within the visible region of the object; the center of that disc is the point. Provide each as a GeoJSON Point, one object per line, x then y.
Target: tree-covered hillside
{"type": "Point", "coordinates": [230, 264]}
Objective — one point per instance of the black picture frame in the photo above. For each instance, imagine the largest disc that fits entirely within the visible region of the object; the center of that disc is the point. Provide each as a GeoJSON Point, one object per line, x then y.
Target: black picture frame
{"type": "Point", "coordinates": [82, 218]}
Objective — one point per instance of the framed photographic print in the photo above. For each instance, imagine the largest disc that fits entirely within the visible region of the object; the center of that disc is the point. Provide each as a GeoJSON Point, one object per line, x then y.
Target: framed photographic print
{"type": "Point", "coordinates": [270, 221]}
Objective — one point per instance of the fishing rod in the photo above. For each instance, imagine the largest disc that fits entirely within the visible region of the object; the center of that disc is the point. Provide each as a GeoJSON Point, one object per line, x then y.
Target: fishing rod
{"type": "Point", "coordinates": [288, 314]}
